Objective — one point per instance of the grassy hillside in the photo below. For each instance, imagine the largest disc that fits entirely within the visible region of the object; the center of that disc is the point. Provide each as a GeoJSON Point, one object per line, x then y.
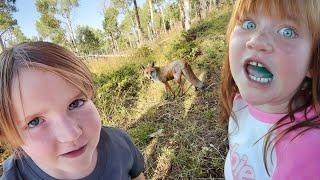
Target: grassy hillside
{"type": "Point", "coordinates": [191, 144]}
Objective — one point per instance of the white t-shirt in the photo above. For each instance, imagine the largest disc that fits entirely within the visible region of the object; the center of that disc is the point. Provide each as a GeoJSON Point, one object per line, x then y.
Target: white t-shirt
{"type": "Point", "coordinates": [291, 159]}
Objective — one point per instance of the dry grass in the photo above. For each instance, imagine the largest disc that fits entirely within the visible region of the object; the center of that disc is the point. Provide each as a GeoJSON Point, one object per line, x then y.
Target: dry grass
{"type": "Point", "coordinates": [192, 145]}
{"type": "Point", "coordinates": [107, 65]}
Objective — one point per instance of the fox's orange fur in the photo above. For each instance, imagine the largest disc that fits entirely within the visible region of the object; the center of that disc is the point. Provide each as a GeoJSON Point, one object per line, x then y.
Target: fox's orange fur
{"type": "Point", "coordinates": [174, 70]}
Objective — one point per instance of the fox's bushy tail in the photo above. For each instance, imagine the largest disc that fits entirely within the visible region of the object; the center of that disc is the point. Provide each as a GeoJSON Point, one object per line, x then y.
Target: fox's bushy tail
{"type": "Point", "coordinates": [191, 77]}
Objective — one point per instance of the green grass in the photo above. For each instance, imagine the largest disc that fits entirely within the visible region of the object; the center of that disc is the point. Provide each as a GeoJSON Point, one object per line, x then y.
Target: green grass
{"type": "Point", "coordinates": [193, 144]}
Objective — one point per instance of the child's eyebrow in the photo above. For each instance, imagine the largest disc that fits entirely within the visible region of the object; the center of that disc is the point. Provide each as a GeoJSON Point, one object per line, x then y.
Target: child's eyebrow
{"type": "Point", "coordinates": [29, 117]}
{"type": "Point", "coordinates": [79, 95]}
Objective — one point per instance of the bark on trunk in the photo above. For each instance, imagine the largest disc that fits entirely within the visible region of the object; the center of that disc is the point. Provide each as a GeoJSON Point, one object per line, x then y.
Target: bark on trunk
{"type": "Point", "coordinates": [139, 29]}
{"type": "Point", "coordinates": [187, 13]}
{"type": "Point", "coordinates": [151, 19]}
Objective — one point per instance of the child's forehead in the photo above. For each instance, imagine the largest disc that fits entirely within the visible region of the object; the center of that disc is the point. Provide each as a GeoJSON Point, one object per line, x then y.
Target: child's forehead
{"type": "Point", "coordinates": [275, 9]}
{"type": "Point", "coordinates": [33, 89]}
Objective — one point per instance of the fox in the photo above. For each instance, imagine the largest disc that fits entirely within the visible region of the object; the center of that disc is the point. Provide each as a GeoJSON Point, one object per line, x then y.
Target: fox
{"type": "Point", "coordinates": [173, 71]}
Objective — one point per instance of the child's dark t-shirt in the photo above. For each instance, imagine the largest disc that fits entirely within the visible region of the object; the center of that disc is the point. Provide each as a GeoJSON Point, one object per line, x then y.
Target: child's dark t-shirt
{"type": "Point", "coordinates": [118, 158]}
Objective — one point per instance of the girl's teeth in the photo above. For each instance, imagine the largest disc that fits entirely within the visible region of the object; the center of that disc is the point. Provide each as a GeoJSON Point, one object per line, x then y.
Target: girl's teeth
{"type": "Point", "coordinates": [256, 64]}
{"type": "Point", "coordinates": [260, 80]}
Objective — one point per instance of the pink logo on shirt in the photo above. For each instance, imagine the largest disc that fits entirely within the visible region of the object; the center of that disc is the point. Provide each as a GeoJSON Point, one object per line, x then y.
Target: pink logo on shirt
{"type": "Point", "coordinates": [241, 170]}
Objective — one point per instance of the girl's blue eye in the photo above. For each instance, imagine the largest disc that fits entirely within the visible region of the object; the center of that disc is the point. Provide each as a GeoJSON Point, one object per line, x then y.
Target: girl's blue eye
{"type": "Point", "coordinates": [76, 103]}
{"type": "Point", "coordinates": [248, 24]}
{"type": "Point", "coordinates": [287, 32]}
{"type": "Point", "coordinates": [35, 122]}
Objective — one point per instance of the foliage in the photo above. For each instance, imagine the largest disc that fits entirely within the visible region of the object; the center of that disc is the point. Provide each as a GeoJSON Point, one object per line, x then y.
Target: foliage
{"type": "Point", "coordinates": [88, 42]}
{"type": "Point", "coordinates": [48, 25]}
{"type": "Point", "coordinates": [55, 20]}
{"type": "Point", "coordinates": [110, 24]}
{"type": "Point", "coordinates": [65, 6]}
{"type": "Point", "coordinates": [143, 51]}
{"type": "Point", "coordinates": [18, 36]}
{"type": "Point", "coordinates": [187, 46]}
{"type": "Point", "coordinates": [6, 19]}
{"type": "Point", "coordinates": [7, 22]}
{"type": "Point", "coordinates": [115, 90]}
{"type": "Point", "coordinates": [192, 145]}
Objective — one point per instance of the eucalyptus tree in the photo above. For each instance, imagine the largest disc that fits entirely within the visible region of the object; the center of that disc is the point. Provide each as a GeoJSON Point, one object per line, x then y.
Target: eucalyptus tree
{"type": "Point", "coordinates": [7, 22]}
{"type": "Point", "coordinates": [128, 36]}
{"type": "Point", "coordinates": [64, 9]}
{"type": "Point", "coordinates": [124, 7]}
{"type": "Point", "coordinates": [201, 8]}
{"type": "Point", "coordinates": [17, 36]}
{"type": "Point", "coordinates": [151, 29]}
{"type": "Point", "coordinates": [185, 13]}
{"type": "Point", "coordinates": [48, 26]}
{"type": "Point", "coordinates": [172, 13]}
{"type": "Point", "coordinates": [137, 17]}
{"type": "Point", "coordinates": [88, 42]}
{"type": "Point", "coordinates": [160, 6]}
{"type": "Point", "coordinates": [55, 22]}
{"type": "Point", "coordinates": [110, 26]}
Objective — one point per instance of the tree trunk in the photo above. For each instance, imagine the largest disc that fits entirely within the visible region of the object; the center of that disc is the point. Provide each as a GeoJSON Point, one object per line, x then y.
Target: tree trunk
{"type": "Point", "coordinates": [129, 40]}
{"type": "Point", "coordinates": [151, 19]}
{"type": "Point", "coordinates": [182, 16]}
{"type": "Point", "coordinates": [187, 14]}
{"type": "Point", "coordinates": [217, 3]}
{"type": "Point", "coordinates": [113, 44]}
{"type": "Point", "coordinates": [3, 47]}
{"type": "Point", "coordinates": [150, 36]}
{"type": "Point", "coordinates": [133, 23]}
{"type": "Point", "coordinates": [71, 33]}
{"type": "Point", "coordinates": [139, 28]}
{"type": "Point", "coordinates": [203, 9]}
{"type": "Point", "coordinates": [197, 7]}
{"type": "Point", "coordinates": [162, 19]}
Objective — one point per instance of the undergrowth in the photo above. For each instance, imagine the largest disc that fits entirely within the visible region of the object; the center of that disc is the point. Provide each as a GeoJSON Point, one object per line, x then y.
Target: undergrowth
{"type": "Point", "coordinates": [189, 142]}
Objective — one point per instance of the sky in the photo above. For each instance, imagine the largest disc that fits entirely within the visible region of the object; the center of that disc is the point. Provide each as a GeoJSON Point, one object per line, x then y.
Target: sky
{"type": "Point", "coordinates": [88, 13]}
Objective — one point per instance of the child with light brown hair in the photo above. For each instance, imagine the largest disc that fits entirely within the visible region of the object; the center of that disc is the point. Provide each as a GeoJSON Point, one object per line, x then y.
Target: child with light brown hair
{"type": "Point", "coordinates": [48, 118]}
{"type": "Point", "coordinates": [271, 90]}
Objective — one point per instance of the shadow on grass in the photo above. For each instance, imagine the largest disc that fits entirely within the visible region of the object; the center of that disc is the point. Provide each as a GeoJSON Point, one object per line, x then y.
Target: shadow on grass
{"type": "Point", "coordinates": [192, 144]}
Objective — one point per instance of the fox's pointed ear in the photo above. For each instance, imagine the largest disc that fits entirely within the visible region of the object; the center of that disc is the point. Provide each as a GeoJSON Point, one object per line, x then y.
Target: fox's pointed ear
{"type": "Point", "coordinates": [152, 64]}
{"type": "Point", "coordinates": [142, 67]}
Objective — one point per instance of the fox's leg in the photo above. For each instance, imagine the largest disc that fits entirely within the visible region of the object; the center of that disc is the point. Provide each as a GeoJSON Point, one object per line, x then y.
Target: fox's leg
{"type": "Point", "coordinates": [181, 86]}
{"type": "Point", "coordinates": [182, 81]}
{"type": "Point", "coordinates": [168, 88]}
{"type": "Point", "coordinates": [178, 79]}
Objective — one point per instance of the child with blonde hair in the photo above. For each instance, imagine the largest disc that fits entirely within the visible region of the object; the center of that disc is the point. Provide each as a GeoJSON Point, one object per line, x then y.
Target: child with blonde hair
{"type": "Point", "coordinates": [48, 118]}
{"type": "Point", "coordinates": [270, 90]}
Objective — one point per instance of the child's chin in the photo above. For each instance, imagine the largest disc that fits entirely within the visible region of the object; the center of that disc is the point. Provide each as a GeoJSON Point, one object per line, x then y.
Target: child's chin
{"type": "Point", "coordinates": [83, 162]}
{"type": "Point", "coordinates": [253, 99]}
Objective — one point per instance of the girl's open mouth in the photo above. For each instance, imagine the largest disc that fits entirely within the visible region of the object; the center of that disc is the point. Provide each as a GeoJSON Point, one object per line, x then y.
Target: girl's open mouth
{"type": "Point", "coordinates": [258, 72]}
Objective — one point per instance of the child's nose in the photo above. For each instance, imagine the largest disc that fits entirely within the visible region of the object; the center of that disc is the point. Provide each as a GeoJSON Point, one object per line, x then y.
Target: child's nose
{"type": "Point", "coordinates": [260, 42]}
{"type": "Point", "coordinates": [67, 130]}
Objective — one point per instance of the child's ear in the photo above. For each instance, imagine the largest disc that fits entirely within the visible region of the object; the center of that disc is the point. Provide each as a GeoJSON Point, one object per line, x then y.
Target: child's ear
{"type": "Point", "coordinates": [309, 74]}
{"type": "Point", "coordinates": [152, 64]}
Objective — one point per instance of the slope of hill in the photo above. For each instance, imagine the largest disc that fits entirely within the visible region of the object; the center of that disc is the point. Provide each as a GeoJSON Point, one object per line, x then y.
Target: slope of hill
{"type": "Point", "coordinates": [189, 142]}
{"type": "Point", "coordinates": [180, 137]}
